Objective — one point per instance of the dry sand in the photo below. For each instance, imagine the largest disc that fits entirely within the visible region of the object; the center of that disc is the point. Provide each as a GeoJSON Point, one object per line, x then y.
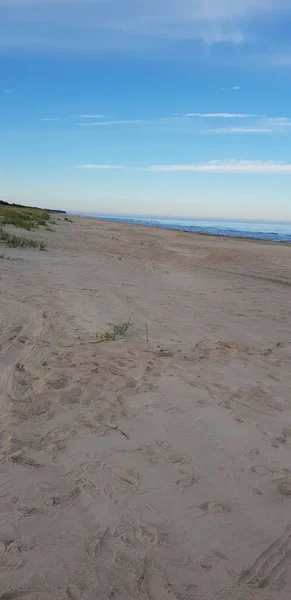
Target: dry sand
{"type": "Point", "coordinates": [136, 471]}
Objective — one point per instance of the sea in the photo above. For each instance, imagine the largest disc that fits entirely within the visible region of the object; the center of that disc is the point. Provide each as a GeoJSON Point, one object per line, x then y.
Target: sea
{"type": "Point", "coordinates": [257, 230]}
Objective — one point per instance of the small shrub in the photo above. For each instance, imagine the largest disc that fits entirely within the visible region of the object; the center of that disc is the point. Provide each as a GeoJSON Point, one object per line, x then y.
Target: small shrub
{"type": "Point", "coordinates": [117, 330]}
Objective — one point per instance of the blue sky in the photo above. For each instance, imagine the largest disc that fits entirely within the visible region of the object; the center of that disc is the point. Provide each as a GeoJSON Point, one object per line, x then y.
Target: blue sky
{"type": "Point", "coordinates": [156, 107]}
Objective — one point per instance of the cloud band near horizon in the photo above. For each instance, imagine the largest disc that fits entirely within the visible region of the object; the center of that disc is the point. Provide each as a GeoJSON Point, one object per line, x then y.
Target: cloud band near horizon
{"type": "Point", "coordinates": [215, 166]}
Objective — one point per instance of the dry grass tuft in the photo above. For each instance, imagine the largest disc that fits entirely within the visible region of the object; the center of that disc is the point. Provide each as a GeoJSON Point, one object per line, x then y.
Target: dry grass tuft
{"type": "Point", "coordinates": [16, 241]}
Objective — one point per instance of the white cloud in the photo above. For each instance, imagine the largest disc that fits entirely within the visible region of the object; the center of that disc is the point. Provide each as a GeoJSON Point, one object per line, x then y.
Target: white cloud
{"type": "Point", "coordinates": [260, 125]}
{"type": "Point", "coordinates": [50, 119]}
{"type": "Point", "coordinates": [229, 166]}
{"type": "Point", "coordinates": [241, 130]}
{"type": "Point", "coordinates": [252, 123]}
{"type": "Point", "coordinates": [112, 123]}
{"type": "Point", "coordinates": [277, 123]}
{"type": "Point", "coordinates": [92, 166]}
{"type": "Point", "coordinates": [213, 166]}
{"type": "Point", "coordinates": [221, 115]}
{"type": "Point", "coordinates": [91, 116]}
{"type": "Point", "coordinates": [234, 87]}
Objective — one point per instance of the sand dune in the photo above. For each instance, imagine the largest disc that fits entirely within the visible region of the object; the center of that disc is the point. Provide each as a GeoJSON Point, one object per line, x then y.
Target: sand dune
{"type": "Point", "coordinates": [156, 466]}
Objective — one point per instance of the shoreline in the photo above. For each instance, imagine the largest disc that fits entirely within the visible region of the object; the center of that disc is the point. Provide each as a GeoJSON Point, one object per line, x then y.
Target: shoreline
{"type": "Point", "coordinates": [184, 231]}
{"type": "Point", "coordinates": [122, 221]}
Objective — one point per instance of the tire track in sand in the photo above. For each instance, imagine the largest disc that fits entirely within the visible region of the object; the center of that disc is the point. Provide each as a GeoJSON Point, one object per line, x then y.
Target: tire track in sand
{"type": "Point", "coordinates": [21, 362]}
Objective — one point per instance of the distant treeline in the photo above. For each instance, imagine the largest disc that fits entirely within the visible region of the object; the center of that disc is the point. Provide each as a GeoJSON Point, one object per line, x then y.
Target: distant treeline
{"type": "Point", "coordinates": [50, 210]}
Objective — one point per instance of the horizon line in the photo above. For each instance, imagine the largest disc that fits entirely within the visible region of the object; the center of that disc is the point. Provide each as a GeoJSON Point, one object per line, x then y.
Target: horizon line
{"type": "Point", "coordinates": [175, 218]}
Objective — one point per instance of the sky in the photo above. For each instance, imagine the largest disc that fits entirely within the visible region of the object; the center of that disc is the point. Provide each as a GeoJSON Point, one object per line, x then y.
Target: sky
{"type": "Point", "coordinates": [147, 107]}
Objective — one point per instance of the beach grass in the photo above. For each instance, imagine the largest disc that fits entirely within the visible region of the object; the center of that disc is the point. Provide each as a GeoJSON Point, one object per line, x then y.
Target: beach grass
{"type": "Point", "coordinates": [23, 217]}
{"type": "Point", "coordinates": [117, 330]}
{"type": "Point", "coordinates": [16, 241]}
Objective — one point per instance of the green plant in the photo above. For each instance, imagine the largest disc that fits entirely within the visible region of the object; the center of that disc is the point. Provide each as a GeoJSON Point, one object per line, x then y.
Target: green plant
{"type": "Point", "coordinates": [16, 241]}
{"type": "Point", "coordinates": [117, 330]}
{"type": "Point", "coordinates": [24, 217]}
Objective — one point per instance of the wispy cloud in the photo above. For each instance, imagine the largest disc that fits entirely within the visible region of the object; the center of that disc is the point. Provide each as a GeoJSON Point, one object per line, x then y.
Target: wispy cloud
{"type": "Point", "coordinates": [213, 166]}
{"type": "Point", "coordinates": [221, 115]}
{"type": "Point", "coordinates": [106, 167]}
{"type": "Point", "coordinates": [277, 123]}
{"type": "Point", "coordinates": [196, 123]}
{"type": "Point", "coordinates": [112, 123]}
{"type": "Point", "coordinates": [259, 125]}
{"type": "Point", "coordinates": [229, 166]}
{"type": "Point", "coordinates": [7, 91]}
{"type": "Point", "coordinates": [91, 116]}
{"type": "Point", "coordinates": [50, 119]}
{"type": "Point", "coordinates": [255, 123]}
{"type": "Point", "coordinates": [236, 87]}
{"type": "Point", "coordinates": [241, 130]}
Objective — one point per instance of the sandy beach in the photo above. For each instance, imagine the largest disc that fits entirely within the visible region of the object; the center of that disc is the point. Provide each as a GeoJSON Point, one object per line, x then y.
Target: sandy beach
{"type": "Point", "coordinates": [156, 466]}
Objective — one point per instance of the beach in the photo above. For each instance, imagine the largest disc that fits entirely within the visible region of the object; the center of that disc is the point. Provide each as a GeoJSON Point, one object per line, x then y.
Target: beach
{"type": "Point", "coordinates": [157, 465]}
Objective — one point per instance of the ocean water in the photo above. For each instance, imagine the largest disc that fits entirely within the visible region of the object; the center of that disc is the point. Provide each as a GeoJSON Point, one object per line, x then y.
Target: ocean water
{"type": "Point", "coordinates": [277, 232]}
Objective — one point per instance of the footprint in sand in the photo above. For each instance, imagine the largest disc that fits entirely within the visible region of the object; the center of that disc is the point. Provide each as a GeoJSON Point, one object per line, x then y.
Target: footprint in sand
{"type": "Point", "coordinates": [94, 544]}
{"type": "Point", "coordinates": [20, 458]}
{"type": "Point", "coordinates": [186, 480]}
{"type": "Point", "coordinates": [58, 381]}
{"type": "Point", "coordinates": [191, 592]}
{"type": "Point", "coordinates": [178, 459]}
{"type": "Point", "coordinates": [261, 470]}
{"type": "Point", "coordinates": [284, 487]}
{"type": "Point", "coordinates": [215, 508]}
{"type": "Point", "coordinates": [158, 587]}
{"type": "Point", "coordinates": [148, 535]}
{"type": "Point", "coordinates": [14, 594]}
{"type": "Point", "coordinates": [252, 453]}
{"type": "Point", "coordinates": [10, 556]}
{"type": "Point", "coordinates": [73, 593]}
{"type": "Point", "coordinates": [130, 477]}
{"type": "Point", "coordinates": [257, 491]}
{"type": "Point", "coordinates": [213, 559]}
{"type": "Point", "coordinates": [65, 499]}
